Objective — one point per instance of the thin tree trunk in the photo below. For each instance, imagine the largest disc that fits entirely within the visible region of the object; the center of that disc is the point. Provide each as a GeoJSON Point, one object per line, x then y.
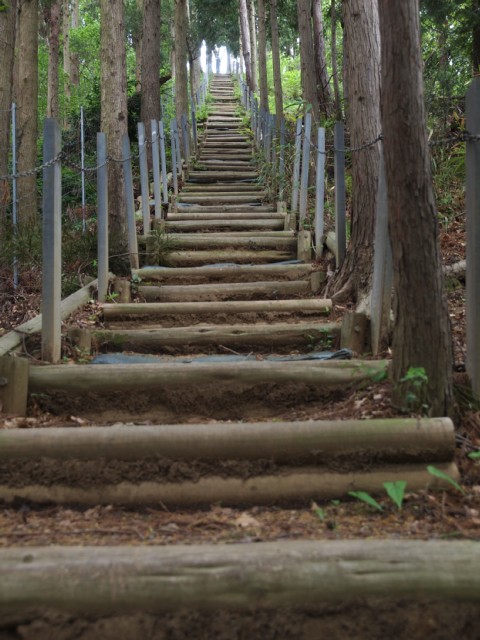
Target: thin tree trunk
{"type": "Point", "coordinates": [7, 48]}
{"type": "Point", "coordinates": [421, 336]}
{"type": "Point", "coordinates": [362, 88]}
{"type": "Point", "coordinates": [138, 48]}
{"type": "Point", "coordinates": [262, 55]}
{"type": "Point", "coordinates": [253, 43]}
{"type": "Point", "coordinates": [181, 79]}
{"type": "Point", "coordinates": [113, 78]}
{"type": "Point", "coordinates": [476, 37]}
{"type": "Point", "coordinates": [66, 22]}
{"type": "Point", "coordinates": [26, 93]}
{"type": "Point", "coordinates": [323, 82]}
{"type": "Point", "coordinates": [53, 20]}
{"type": "Point", "coordinates": [336, 84]}
{"type": "Point", "coordinates": [246, 49]}
{"type": "Point", "coordinates": [150, 70]}
{"type": "Point", "coordinates": [277, 72]}
{"type": "Point", "coordinates": [309, 84]}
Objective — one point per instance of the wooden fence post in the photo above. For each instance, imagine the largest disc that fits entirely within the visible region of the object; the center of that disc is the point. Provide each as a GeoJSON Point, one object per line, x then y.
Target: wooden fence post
{"type": "Point", "coordinates": [281, 161]}
{"type": "Point", "coordinates": [305, 167]}
{"type": "Point", "coordinates": [163, 162]}
{"type": "Point", "coordinates": [144, 186]}
{"type": "Point", "coordinates": [102, 217]}
{"type": "Point", "coordinates": [129, 202]}
{"type": "Point", "coordinates": [174, 157]}
{"type": "Point", "coordinates": [156, 170]}
{"type": "Point", "coordinates": [320, 192]}
{"type": "Point", "coordinates": [52, 243]}
{"type": "Point", "coordinates": [296, 165]}
{"type": "Point", "coordinates": [473, 237]}
{"type": "Point", "coordinates": [382, 265]}
{"type": "Point", "coordinates": [340, 197]}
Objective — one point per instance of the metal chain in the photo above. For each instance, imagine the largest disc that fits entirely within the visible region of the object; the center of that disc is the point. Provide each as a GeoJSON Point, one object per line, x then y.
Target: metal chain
{"type": "Point", "coordinates": [32, 172]}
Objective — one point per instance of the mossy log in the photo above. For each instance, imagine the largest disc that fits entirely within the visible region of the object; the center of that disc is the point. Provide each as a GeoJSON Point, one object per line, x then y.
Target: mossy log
{"type": "Point", "coordinates": [159, 309]}
{"type": "Point", "coordinates": [241, 256]}
{"type": "Point", "coordinates": [291, 271]}
{"type": "Point", "coordinates": [234, 335]}
{"type": "Point", "coordinates": [225, 291]}
{"type": "Point", "coordinates": [333, 374]}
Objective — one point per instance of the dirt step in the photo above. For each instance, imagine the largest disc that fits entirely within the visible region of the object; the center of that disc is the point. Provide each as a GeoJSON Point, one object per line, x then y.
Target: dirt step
{"type": "Point", "coordinates": [151, 340]}
{"type": "Point", "coordinates": [226, 291]}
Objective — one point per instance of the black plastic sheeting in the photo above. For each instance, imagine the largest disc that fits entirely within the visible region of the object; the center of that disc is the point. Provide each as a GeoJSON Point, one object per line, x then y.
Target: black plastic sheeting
{"type": "Point", "coordinates": [125, 358]}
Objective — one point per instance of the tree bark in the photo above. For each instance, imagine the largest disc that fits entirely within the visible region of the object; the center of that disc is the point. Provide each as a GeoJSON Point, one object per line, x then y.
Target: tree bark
{"type": "Point", "coordinates": [323, 82]}
{"type": "Point", "coordinates": [53, 20]}
{"type": "Point", "coordinates": [114, 110]}
{"type": "Point", "coordinates": [246, 48]}
{"type": "Point", "coordinates": [181, 78]}
{"type": "Point", "coordinates": [26, 96]}
{"type": "Point", "coordinates": [7, 49]}
{"type": "Point", "coordinates": [309, 83]}
{"type": "Point", "coordinates": [253, 43]}
{"type": "Point", "coordinates": [476, 37]}
{"type": "Point", "coordinates": [277, 72]}
{"type": "Point", "coordinates": [362, 91]}
{"type": "Point", "coordinates": [262, 55]}
{"type": "Point", "coordinates": [336, 83]}
{"type": "Point", "coordinates": [150, 70]}
{"type": "Point", "coordinates": [421, 337]}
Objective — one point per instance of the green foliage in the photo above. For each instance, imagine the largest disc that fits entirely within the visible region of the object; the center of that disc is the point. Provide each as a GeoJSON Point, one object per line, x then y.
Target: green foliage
{"type": "Point", "coordinates": [160, 245]}
{"type": "Point", "coordinates": [474, 455]}
{"type": "Point", "coordinates": [444, 476]}
{"type": "Point", "coordinates": [363, 496]}
{"type": "Point", "coordinates": [396, 491]}
{"type": "Point", "coordinates": [413, 390]}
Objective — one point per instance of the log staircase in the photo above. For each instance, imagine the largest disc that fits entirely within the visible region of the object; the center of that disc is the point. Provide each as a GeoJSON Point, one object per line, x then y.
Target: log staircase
{"type": "Point", "coordinates": [222, 339]}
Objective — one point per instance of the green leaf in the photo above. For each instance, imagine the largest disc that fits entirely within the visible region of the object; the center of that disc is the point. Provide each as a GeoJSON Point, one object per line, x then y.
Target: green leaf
{"type": "Point", "coordinates": [366, 497]}
{"type": "Point", "coordinates": [444, 476]}
{"type": "Point", "coordinates": [396, 491]}
{"type": "Point", "coordinates": [320, 513]}
{"type": "Point", "coordinates": [474, 455]}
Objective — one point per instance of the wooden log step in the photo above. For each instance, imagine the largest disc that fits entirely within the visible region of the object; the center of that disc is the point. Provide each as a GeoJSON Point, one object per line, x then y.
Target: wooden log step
{"type": "Point", "coordinates": [225, 291]}
{"type": "Point", "coordinates": [218, 198]}
{"type": "Point", "coordinates": [285, 486]}
{"type": "Point", "coordinates": [104, 581]}
{"type": "Point", "coordinates": [257, 210]}
{"type": "Point", "coordinates": [226, 145]}
{"type": "Point", "coordinates": [385, 439]}
{"type": "Point", "coordinates": [186, 214]}
{"type": "Point", "coordinates": [222, 240]}
{"type": "Point", "coordinates": [230, 272]}
{"type": "Point", "coordinates": [213, 188]}
{"type": "Point", "coordinates": [150, 340]}
{"type": "Point", "coordinates": [219, 176]}
{"type": "Point", "coordinates": [159, 309]}
{"type": "Point", "coordinates": [274, 224]}
{"type": "Point", "coordinates": [240, 256]}
{"type": "Point", "coordinates": [105, 378]}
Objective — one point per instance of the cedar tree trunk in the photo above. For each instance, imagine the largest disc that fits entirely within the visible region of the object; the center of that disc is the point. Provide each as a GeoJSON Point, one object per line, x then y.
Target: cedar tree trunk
{"type": "Point", "coordinates": [321, 71]}
{"type": "Point", "coordinates": [246, 49]}
{"type": "Point", "coordinates": [309, 82]}
{"type": "Point", "coordinates": [262, 55]}
{"type": "Point", "coordinates": [277, 71]}
{"type": "Point", "coordinates": [421, 337]}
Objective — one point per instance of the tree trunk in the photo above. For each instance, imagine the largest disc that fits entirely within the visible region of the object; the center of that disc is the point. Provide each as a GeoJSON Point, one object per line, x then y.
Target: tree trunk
{"type": "Point", "coordinates": [67, 67]}
{"type": "Point", "coordinates": [277, 72]}
{"type": "Point", "coordinates": [253, 43]}
{"type": "Point", "coordinates": [114, 110]}
{"type": "Point", "coordinates": [262, 55]}
{"type": "Point", "coordinates": [26, 92]}
{"type": "Point", "coordinates": [246, 48]}
{"type": "Point", "coordinates": [336, 84]}
{"type": "Point", "coordinates": [362, 91]}
{"type": "Point", "coordinates": [7, 49]}
{"type": "Point", "coordinates": [309, 83]}
{"type": "Point", "coordinates": [321, 71]}
{"type": "Point", "coordinates": [138, 48]}
{"type": "Point", "coordinates": [421, 337]}
{"type": "Point", "coordinates": [53, 20]}
{"type": "Point", "coordinates": [181, 79]}
{"type": "Point", "coordinates": [476, 37]}
{"type": "Point", "coordinates": [150, 70]}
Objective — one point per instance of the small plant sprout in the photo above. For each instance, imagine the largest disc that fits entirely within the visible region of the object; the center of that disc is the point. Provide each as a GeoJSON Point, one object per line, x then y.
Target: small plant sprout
{"type": "Point", "coordinates": [414, 390]}
{"type": "Point", "coordinates": [474, 455]}
{"type": "Point", "coordinates": [363, 496]}
{"type": "Point", "coordinates": [444, 476]}
{"type": "Point", "coordinates": [396, 491]}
